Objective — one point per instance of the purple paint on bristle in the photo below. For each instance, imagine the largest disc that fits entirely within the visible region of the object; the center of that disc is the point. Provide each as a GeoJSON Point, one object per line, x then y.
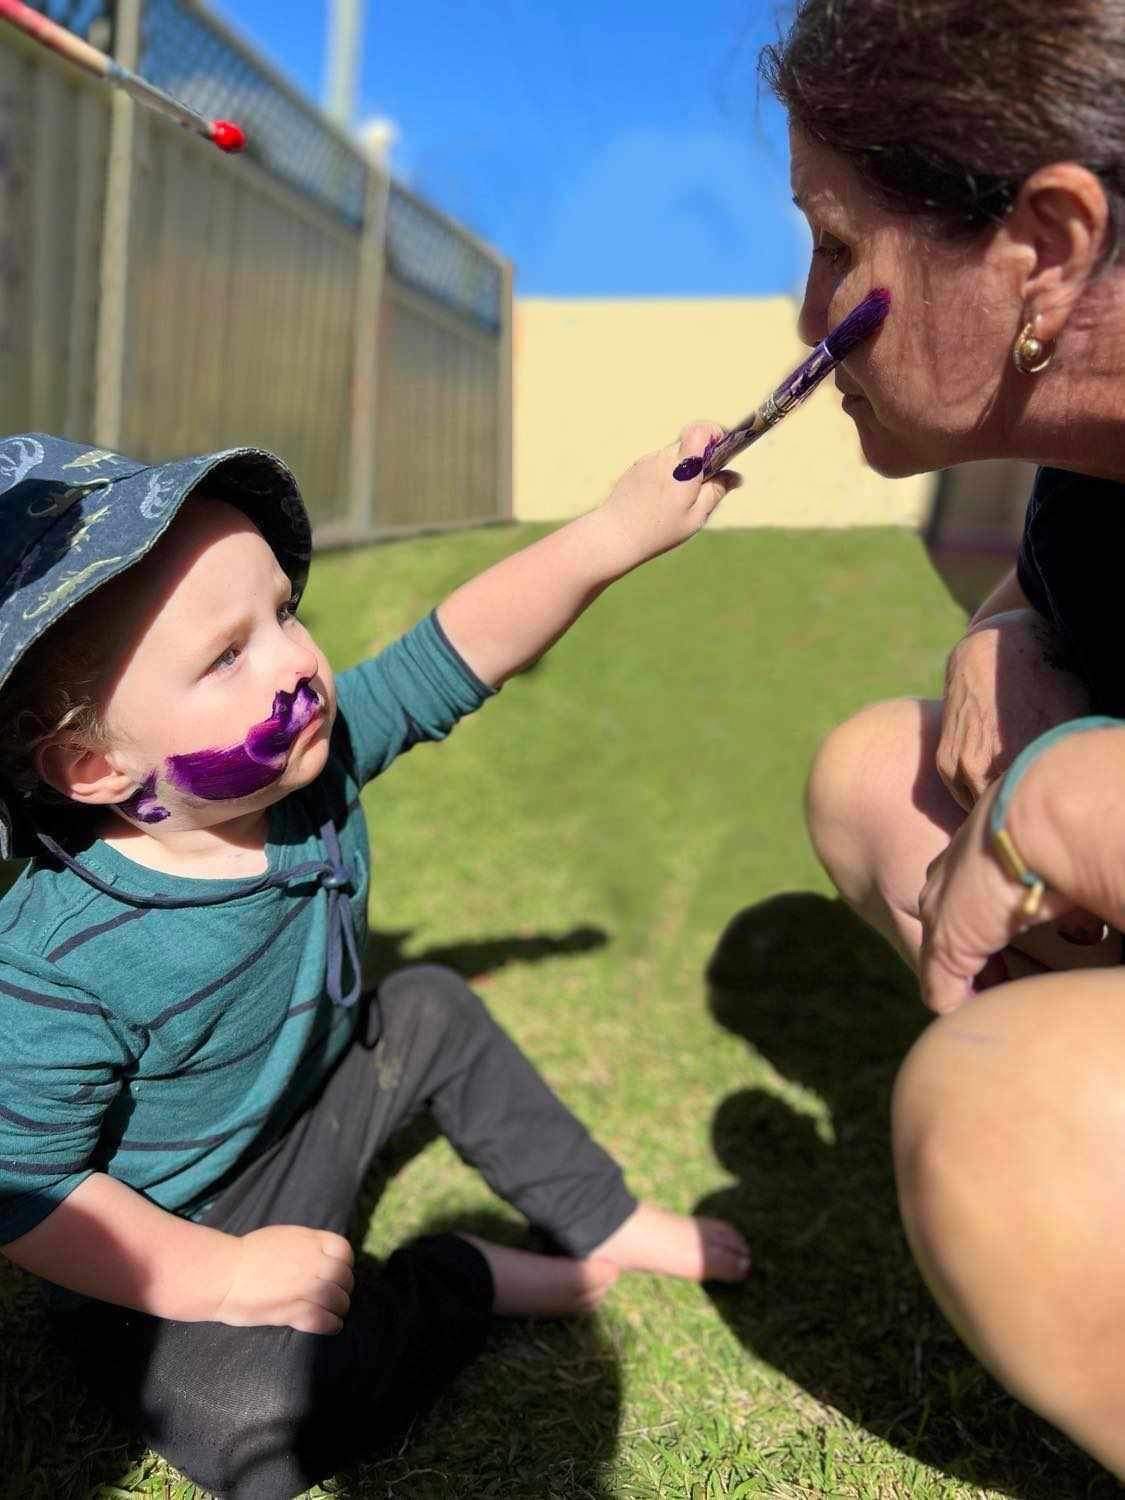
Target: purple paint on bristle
{"type": "Point", "coordinates": [240, 770]}
{"type": "Point", "coordinates": [859, 324]}
{"type": "Point", "coordinates": [142, 805]}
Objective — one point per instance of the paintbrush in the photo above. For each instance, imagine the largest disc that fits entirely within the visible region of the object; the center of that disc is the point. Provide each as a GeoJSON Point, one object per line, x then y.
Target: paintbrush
{"type": "Point", "coordinates": [859, 324]}
{"type": "Point", "coordinates": [222, 133]}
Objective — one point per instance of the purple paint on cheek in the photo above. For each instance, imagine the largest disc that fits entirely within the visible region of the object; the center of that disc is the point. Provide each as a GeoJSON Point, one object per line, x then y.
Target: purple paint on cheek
{"type": "Point", "coordinates": [142, 805]}
{"type": "Point", "coordinates": [240, 770]}
{"type": "Point", "coordinates": [689, 468]}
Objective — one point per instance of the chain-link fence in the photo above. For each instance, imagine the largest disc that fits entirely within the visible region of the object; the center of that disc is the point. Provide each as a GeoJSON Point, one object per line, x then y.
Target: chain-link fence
{"type": "Point", "coordinates": [76, 15]}
{"type": "Point", "coordinates": [423, 252]}
{"type": "Point", "coordinates": [185, 51]}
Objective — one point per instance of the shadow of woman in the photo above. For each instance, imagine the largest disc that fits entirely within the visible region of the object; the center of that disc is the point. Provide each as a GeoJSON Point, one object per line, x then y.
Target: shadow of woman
{"type": "Point", "coordinates": [835, 1301]}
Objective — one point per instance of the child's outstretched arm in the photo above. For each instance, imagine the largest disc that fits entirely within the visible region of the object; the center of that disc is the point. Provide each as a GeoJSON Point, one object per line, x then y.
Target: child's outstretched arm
{"type": "Point", "coordinates": [106, 1241]}
{"type": "Point", "coordinates": [504, 619]}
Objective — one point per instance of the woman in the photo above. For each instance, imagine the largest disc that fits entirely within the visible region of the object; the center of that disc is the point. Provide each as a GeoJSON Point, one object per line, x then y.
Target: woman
{"type": "Point", "coordinates": [971, 157]}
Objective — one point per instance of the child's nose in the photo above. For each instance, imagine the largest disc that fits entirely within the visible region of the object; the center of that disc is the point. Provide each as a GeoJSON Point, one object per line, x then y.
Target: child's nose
{"type": "Point", "coordinates": [302, 664]}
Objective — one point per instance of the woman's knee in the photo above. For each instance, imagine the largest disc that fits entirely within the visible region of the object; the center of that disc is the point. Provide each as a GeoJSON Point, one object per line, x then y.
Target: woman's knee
{"type": "Point", "coordinates": [864, 776]}
{"type": "Point", "coordinates": [1007, 1142]}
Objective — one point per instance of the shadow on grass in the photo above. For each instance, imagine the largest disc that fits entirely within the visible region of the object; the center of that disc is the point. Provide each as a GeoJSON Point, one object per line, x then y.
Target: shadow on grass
{"type": "Point", "coordinates": [536, 1414]}
{"type": "Point", "coordinates": [476, 960]}
{"type": "Point", "coordinates": [835, 1301]}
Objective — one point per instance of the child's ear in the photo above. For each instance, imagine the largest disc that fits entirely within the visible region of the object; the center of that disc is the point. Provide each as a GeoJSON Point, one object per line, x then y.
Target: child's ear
{"type": "Point", "coordinates": [84, 775]}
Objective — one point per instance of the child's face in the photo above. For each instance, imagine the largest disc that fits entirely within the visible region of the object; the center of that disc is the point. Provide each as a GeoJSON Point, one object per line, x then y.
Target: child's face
{"type": "Point", "coordinates": [224, 703]}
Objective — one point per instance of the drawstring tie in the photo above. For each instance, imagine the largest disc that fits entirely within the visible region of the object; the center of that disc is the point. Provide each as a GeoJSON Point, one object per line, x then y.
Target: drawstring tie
{"type": "Point", "coordinates": [333, 875]}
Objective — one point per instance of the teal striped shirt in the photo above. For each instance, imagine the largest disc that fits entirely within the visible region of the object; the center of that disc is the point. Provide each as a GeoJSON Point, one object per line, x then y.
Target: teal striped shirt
{"type": "Point", "coordinates": [168, 1046]}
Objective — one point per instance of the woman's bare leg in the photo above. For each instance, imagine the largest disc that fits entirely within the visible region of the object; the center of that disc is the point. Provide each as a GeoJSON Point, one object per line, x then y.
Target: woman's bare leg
{"type": "Point", "coordinates": [878, 813]}
{"type": "Point", "coordinates": [1009, 1136]}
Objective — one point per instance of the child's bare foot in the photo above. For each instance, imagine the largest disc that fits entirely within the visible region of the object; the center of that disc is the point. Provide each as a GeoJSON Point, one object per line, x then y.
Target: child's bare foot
{"type": "Point", "coordinates": [544, 1286]}
{"type": "Point", "coordinates": [654, 1239]}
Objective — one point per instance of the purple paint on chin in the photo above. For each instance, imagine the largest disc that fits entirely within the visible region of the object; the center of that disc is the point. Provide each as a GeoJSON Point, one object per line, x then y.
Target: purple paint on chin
{"type": "Point", "coordinates": [241, 770]}
{"type": "Point", "coordinates": [689, 468]}
{"type": "Point", "coordinates": [142, 805]}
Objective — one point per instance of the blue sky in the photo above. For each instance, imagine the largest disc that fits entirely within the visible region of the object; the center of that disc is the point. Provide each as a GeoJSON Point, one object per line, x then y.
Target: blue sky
{"type": "Point", "coordinates": [610, 147]}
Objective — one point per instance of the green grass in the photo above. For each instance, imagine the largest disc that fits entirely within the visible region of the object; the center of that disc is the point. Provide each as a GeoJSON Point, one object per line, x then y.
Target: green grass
{"type": "Point", "coordinates": [614, 852]}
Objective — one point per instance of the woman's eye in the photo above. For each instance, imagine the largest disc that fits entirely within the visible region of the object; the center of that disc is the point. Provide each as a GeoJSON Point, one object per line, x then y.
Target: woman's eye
{"type": "Point", "coordinates": [831, 250]}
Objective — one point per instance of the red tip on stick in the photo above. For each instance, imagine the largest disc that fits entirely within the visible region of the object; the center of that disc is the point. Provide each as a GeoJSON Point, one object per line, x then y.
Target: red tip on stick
{"type": "Point", "coordinates": [228, 136]}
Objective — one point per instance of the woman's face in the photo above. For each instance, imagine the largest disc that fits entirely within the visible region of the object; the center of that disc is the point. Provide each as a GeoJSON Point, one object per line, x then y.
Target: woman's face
{"type": "Point", "coordinates": [925, 391]}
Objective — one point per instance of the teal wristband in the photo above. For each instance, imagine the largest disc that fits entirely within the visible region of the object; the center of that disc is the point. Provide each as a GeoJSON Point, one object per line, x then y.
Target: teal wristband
{"type": "Point", "coordinates": [999, 838]}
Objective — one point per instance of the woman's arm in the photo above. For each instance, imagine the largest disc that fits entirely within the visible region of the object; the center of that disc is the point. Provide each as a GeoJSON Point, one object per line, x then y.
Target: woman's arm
{"type": "Point", "coordinates": [1006, 595]}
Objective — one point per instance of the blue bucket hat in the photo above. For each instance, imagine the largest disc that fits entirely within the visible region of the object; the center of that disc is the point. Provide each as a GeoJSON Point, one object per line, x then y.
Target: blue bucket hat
{"type": "Point", "coordinates": [73, 516]}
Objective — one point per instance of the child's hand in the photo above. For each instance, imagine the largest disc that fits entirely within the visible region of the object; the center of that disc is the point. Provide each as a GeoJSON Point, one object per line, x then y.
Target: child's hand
{"type": "Point", "coordinates": [289, 1277]}
{"type": "Point", "coordinates": [651, 512]}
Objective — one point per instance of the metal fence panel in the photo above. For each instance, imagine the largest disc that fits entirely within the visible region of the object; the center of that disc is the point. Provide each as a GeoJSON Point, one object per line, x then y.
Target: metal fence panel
{"type": "Point", "coordinates": [53, 137]}
{"type": "Point", "coordinates": [240, 312]}
{"type": "Point", "coordinates": [438, 457]}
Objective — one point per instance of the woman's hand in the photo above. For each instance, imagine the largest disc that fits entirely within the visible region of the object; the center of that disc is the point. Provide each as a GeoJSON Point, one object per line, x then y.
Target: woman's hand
{"type": "Point", "coordinates": [1004, 686]}
{"type": "Point", "coordinates": [971, 911]}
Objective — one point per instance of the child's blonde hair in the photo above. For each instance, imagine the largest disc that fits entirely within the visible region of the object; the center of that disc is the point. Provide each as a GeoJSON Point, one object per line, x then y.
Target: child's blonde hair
{"type": "Point", "coordinates": [57, 694]}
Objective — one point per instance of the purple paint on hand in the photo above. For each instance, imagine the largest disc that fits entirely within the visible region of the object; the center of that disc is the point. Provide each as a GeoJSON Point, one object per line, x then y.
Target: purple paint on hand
{"type": "Point", "coordinates": [142, 805]}
{"type": "Point", "coordinates": [689, 468]}
{"type": "Point", "coordinates": [240, 770]}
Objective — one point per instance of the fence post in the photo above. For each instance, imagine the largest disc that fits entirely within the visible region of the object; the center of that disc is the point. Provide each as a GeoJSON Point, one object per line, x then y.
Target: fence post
{"type": "Point", "coordinates": [113, 297]}
{"type": "Point", "coordinates": [505, 397]}
{"type": "Point", "coordinates": [364, 436]}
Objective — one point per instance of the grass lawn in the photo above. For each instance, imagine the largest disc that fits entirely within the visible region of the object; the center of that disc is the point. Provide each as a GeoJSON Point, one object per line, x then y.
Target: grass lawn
{"type": "Point", "coordinates": [614, 853]}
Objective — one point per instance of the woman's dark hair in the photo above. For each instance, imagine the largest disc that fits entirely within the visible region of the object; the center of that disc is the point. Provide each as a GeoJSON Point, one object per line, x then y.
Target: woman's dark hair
{"type": "Point", "coordinates": [945, 107]}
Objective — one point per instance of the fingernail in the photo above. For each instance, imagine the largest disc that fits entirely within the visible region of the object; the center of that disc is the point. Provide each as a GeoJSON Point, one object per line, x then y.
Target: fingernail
{"type": "Point", "coordinates": [689, 468]}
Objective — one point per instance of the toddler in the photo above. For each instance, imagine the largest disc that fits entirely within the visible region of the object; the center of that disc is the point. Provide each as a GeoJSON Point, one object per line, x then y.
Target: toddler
{"type": "Point", "coordinates": [194, 1083]}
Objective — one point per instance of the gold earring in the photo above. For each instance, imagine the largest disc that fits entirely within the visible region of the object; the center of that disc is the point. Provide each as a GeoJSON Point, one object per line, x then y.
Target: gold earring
{"type": "Point", "coordinates": [1031, 355]}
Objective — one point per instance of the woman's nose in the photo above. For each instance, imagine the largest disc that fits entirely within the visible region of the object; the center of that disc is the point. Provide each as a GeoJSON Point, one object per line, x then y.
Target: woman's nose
{"type": "Point", "coordinates": [812, 323]}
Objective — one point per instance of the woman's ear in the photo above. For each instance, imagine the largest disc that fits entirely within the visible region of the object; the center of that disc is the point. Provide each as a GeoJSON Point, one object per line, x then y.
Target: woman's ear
{"type": "Point", "coordinates": [83, 775]}
{"type": "Point", "coordinates": [1061, 218]}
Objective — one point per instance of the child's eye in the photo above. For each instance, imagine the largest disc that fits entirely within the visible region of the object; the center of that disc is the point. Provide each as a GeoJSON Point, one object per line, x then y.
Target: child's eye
{"type": "Point", "coordinates": [227, 659]}
{"type": "Point", "coordinates": [288, 611]}
{"type": "Point", "coordinates": [831, 250]}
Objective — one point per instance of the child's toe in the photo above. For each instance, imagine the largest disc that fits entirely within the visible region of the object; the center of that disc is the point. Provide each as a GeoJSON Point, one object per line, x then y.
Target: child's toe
{"type": "Point", "coordinates": [726, 1255]}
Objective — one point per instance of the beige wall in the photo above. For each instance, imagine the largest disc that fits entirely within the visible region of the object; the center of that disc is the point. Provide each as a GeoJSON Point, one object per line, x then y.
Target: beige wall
{"type": "Point", "coordinates": [597, 383]}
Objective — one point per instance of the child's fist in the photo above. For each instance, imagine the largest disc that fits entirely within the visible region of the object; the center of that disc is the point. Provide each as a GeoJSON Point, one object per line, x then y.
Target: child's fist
{"type": "Point", "coordinates": [289, 1277]}
{"type": "Point", "coordinates": [652, 511]}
